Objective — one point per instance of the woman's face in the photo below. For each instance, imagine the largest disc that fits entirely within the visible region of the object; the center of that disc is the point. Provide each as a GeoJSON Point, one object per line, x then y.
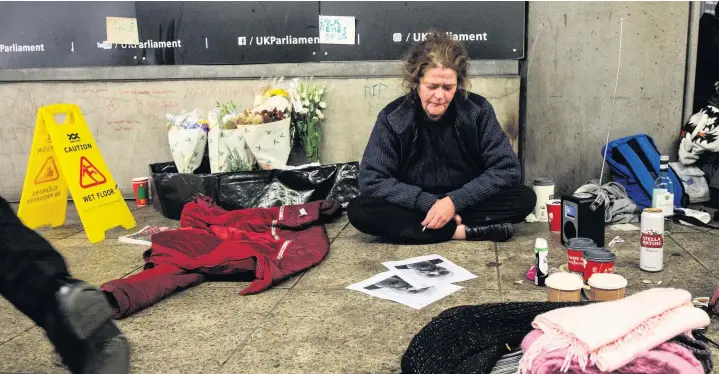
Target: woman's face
{"type": "Point", "coordinates": [436, 89]}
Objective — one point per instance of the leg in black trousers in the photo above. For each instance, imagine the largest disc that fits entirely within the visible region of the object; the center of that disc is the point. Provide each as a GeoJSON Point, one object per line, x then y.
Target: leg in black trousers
{"type": "Point", "coordinates": [29, 266]}
{"type": "Point", "coordinates": [510, 206]}
{"type": "Point", "coordinates": [381, 218]}
{"type": "Point", "coordinates": [75, 315]}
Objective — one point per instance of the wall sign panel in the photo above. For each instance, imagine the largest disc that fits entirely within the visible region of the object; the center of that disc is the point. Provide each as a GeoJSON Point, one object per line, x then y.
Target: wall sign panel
{"type": "Point", "coordinates": [72, 34]}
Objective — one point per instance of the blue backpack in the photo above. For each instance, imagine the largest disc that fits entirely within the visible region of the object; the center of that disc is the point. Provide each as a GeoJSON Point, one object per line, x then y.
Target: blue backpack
{"type": "Point", "coordinates": [634, 163]}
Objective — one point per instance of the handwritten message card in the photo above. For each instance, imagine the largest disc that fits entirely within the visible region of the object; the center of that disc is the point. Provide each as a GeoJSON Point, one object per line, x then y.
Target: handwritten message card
{"type": "Point", "coordinates": [121, 30]}
{"type": "Point", "coordinates": [337, 30]}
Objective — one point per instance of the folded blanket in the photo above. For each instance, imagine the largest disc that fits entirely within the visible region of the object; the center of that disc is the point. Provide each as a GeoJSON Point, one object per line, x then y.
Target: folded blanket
{"type": "Point", "coordinates": [609, 335]}
{"type": "Point", "coordinates": [666, 358]}
{"type": "Point", "coordinates": [470, 339]}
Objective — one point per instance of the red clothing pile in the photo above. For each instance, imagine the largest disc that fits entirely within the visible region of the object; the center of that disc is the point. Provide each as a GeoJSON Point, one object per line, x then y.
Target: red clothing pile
{"type": "Point", "coordinates": [273, 243]}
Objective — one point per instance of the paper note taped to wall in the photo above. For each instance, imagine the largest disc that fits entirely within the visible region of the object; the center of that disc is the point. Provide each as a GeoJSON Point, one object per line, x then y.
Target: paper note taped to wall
{"type": "Point", "coordinates": [121, 30]}
{"type": "Point", "coordinates": [337, 30]}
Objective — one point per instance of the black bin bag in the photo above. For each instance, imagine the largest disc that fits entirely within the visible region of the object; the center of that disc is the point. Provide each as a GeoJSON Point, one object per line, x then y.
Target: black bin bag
{"type": "Point", "coordinates": [172, 190]}
{"type": "Point", "coordinates": [252, 189]}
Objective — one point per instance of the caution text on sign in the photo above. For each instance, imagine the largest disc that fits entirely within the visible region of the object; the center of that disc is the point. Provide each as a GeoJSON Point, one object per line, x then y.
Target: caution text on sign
{"type": "Point", "coordinates": [85, 168]}
{"type": "Point", "coordinates": [64, 158]}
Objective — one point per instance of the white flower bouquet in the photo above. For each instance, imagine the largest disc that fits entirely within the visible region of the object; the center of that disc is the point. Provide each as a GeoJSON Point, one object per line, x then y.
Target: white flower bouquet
{"type": "Point", "coordinates": [307, 102]}
{"type": "Point", "coordinates": [258, 135]}
{"type": "Point", "coordinates": [187, 135]}
{"type": "Point", "coordinates": [227, 147]}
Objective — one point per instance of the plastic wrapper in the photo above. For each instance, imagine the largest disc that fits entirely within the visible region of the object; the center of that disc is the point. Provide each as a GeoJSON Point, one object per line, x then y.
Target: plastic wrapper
{"type": "Point", "coordinates": [269, 143]}
{"type": "Point", "coordinates": [260, 135]}
{"type": "Point", "coordinates": [694, 181]}
{"type": "Point", "coordinates": [187, 136]}
{"type": "Point", "coordinates": [308, 103]}
{"type": "Point", "coordinates": [228, 151]}
{"type": "Point", "coordinates": [227, 147]}
{"type": "Point", "coordinates": [263, 188]}
{"type": "Point", "coordinates": [172, 190]}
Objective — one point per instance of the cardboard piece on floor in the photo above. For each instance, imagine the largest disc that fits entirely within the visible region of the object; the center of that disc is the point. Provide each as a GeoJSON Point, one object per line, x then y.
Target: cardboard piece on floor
{"type": "Point", "coordinates": [65, 157]}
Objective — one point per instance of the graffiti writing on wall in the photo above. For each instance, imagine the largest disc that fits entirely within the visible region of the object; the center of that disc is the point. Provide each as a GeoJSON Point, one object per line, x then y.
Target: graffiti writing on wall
{"type": "Point", "coordinates": [374, 90]}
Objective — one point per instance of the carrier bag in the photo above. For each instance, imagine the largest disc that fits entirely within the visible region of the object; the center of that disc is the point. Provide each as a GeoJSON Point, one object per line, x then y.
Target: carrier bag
{"type": "Point", "coordinates": [634, 163]}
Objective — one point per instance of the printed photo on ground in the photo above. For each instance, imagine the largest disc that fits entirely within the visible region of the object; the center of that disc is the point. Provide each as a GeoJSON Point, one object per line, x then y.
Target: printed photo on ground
{"type": "Point", "coordinates": [427, 271]}
{"type": "Point", "coordinates": [389, 286]}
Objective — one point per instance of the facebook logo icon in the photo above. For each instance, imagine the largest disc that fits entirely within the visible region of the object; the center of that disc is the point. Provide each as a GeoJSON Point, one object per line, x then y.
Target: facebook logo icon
{"type": "Point", "coordinates": [242, 40]}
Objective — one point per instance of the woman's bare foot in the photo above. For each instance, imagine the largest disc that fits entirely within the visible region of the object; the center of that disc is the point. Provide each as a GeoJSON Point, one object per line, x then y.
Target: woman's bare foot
{"type": "Point", "coordinates": [459, 233]}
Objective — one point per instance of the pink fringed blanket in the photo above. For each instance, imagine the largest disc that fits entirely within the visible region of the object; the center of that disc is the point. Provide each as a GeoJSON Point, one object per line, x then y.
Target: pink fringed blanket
{"type": "Point", "coordinates": [609, 335]}
{"type": "Point", "coordinates": [666, 358]}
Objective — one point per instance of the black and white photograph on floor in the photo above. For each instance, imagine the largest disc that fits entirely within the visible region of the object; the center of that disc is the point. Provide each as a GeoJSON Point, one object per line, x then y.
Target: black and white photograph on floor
{"type": "Point", "coordinates": [390, 286]}
{"type": "Point", "coordinates": [430, 270]}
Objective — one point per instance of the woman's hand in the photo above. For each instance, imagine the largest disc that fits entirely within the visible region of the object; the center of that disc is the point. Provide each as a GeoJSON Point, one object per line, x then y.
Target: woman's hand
{"type": "Point", "coordinates": [457, 219]}
{"type": "Point", "coordinates": [441, 212]}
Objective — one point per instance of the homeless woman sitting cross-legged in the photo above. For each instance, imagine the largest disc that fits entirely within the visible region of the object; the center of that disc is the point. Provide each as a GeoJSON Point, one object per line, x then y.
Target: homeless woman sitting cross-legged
{"type": "Point", "coordinates": [438, 165]}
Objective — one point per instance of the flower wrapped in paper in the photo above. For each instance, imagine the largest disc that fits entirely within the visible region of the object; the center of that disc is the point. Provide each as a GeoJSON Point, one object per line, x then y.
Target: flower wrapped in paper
{"type": "Point", "coordinates": [226, 144]}
{"type": "Point", "coordinates": [187, 136]}
{"type": "Point", "coordinates": [257, 135]}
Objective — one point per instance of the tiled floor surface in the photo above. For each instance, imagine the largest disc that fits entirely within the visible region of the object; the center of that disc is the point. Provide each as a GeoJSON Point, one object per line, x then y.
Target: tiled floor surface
{"type": "Point", "coordinates": [311, 323]}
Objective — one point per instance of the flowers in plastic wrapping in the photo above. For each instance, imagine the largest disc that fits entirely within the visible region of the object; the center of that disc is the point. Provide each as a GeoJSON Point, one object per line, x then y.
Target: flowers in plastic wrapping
{"type": "Point", "coordinates": [257, 136]}
{"type": "Point", "coordinates": [307, 103]}
{"type": "Point", "coordinates": [187, 136]}
{"type": "Point", "coordinates": [271, 103]}
{"type": "Point", "coordinates": [186, 121]}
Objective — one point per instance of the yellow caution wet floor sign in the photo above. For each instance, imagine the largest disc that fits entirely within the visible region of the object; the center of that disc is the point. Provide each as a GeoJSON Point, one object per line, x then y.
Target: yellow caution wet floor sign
{"type": "Point", "coordinates": [65, 156]}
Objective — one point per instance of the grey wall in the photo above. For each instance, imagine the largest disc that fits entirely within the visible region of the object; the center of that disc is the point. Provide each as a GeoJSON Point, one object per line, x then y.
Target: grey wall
{"type": "Point", "coordinates": [572, 62]}
{"type": "Point", "coordinates": [571, 67]}
{"type": "Point", "coordinates": [125, 107]}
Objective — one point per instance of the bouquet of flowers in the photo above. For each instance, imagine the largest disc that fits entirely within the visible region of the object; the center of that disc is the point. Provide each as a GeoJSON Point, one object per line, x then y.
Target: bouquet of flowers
{"type": "Point", "coordinates": [257, 135]}
{"type": "Point", "coordinates": [227, 147]}
{"type": "Point", "coordinates": [307, 101]}
{"type": "Point", "coordinates": [187, 134]}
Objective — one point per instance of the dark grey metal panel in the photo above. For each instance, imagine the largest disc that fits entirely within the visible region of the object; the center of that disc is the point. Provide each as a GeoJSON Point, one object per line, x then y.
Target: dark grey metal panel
{"type": "Point", "coordinates": [386, 30]}
{"type": "Point", "coordinates": [72, 34]}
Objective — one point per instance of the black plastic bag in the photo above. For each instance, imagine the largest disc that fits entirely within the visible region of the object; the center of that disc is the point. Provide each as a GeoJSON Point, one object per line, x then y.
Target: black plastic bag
{"type": "Point", "coordinates": [172, 190]}
{"type": "Point", "coordinates": [346, 186]}
{"type": "Point", "coordinates": [251, 189]}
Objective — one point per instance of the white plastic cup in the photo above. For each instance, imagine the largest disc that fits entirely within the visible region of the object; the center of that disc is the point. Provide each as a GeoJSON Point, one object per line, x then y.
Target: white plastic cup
{"type": "Point", "coordinates": [544, 189]}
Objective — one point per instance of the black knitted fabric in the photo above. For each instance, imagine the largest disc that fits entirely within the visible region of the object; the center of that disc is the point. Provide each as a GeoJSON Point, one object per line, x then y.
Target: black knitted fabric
{"type": "Point", "coordinates": [436, 163]}
{"type": "Point", "coordinates": [699, 348]}
{"type": "Point", "coordinates": [471, 339]}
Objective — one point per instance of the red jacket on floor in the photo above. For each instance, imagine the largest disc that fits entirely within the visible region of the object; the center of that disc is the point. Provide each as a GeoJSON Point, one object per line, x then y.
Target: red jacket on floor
{"type": "Point", "coordinates": [273, 243]}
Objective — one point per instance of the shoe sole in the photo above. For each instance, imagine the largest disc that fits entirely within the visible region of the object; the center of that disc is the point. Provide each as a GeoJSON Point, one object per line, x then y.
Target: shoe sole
{"type": "Point", "coordinates": [87, 312]}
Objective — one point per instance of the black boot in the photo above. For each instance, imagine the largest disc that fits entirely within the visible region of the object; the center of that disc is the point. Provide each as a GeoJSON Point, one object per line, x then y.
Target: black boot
{"type": "Point", "coordinates": [83, 332]}
{"type": "Point", "coordinates": [499, 232]}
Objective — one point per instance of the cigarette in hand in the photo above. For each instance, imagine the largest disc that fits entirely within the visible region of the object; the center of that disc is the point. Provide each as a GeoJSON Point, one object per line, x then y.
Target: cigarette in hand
{"type": "Point", "coordinates": [424, 228]}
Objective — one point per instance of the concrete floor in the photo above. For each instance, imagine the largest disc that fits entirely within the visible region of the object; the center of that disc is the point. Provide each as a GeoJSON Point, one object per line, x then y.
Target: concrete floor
{"type": "Point", "coordinates": [311, 323]}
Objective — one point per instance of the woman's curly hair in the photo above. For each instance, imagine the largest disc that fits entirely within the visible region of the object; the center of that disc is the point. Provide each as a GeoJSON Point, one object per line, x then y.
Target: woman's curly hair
{"type": "Point", "coordinates": [438, 49]}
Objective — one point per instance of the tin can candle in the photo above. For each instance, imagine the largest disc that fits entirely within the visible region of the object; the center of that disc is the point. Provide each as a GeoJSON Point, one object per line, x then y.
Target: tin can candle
{"type": "Point", "coordinates": [651, 255]}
